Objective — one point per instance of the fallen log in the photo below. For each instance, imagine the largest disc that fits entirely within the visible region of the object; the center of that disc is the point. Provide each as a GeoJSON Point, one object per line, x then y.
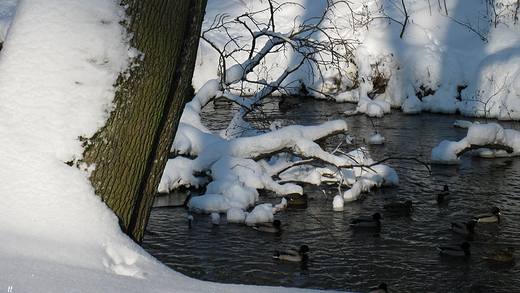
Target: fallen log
{"type": "Point", "coordinates": [506, 148]}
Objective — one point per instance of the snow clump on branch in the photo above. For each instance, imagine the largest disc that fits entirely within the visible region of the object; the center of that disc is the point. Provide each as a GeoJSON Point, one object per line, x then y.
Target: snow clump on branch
{"type": "Point", "coordinates": [237, 168]}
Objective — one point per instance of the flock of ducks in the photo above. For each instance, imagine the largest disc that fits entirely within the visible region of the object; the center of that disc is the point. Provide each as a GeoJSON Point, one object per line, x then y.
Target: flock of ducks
{"type": "Point", "coordinates": [463, 228]}
{"type": "Point", "coordinates": [292, 253]}
{"type": "Point", "coordinates": [296, 254]}
{"type": "Point", "coordinates": [468, 228]}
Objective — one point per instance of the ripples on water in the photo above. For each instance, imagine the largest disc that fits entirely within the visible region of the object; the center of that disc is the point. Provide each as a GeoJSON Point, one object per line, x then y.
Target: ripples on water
{"type": "Point", "coordinates": [403, 254]}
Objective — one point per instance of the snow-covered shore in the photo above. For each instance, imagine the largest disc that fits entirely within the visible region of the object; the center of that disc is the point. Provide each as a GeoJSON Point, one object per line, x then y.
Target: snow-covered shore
{"type": "Point", "coordinates": [460, 56]}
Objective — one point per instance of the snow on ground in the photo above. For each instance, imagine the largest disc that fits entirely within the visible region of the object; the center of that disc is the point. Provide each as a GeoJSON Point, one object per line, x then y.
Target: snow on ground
{"type": "Point", "coordinates": [59, 62]}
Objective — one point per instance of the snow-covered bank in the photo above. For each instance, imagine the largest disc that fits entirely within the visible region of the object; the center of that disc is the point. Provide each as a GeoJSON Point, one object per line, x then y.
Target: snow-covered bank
{"type": "Point", "coordinates": [57, 69]}
{"type": "Point", "coordinates": [456, 57]}
{"type": "Point", "coordinates": [33, 275]}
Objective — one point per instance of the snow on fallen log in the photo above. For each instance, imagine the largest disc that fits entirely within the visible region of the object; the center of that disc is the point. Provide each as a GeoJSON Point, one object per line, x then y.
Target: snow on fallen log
{"type": "Point", "coordinates": [299, 139]}
{"type": "Point", "coordinates": [486, 140]}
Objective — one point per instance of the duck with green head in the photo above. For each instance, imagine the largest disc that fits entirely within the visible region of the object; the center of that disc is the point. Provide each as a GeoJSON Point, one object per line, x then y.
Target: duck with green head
{"type": "Point", "coordinates": [492, 217]}
{"type": "Point", "coordinates": [293, 254]}
{"type": "Point", "coordinates": [444, 195]}
{"type": "Point", "coordinates": [367, 222]}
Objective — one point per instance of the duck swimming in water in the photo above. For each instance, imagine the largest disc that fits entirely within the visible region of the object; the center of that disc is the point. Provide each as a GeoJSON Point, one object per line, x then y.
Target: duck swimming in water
{"type": "Point", "coordinates": [399, 208]}
{"type": "Point", "coordinates": [367, 222]}
{"type": "Point", "coordinates": [463, 228]}
{"type": "Point", "coordinates": [444, 195]}
{"type": "Point", "coordinates": [274, 227]}
{"type": "Point", "coordinates": [293, 254]}
{"type": "Point", "coordinates": [501, 255]}
{"type": "Point", "coordinates": [455, 249]}
{"type": "Point", "coordinates": [492, 217]}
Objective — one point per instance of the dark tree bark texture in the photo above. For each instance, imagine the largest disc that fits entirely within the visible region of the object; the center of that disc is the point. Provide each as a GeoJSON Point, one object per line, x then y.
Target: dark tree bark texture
{"type": "Point", "coordinates": [131, 151]}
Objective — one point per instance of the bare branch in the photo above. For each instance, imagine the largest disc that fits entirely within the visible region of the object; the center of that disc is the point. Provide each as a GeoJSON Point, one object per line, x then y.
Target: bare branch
{"type": "Point", "coordinates": [487, 146]}
{"type": "Point", "coordinates": [406, 16]}
{"type": "Point", "coordinates": [468, 25]}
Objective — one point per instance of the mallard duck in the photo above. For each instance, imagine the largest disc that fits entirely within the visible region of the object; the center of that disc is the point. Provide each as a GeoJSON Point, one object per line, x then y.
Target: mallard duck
{"type": "Point", "coordinates": [221, 102]}
{"type": "Point", "coordinates": [293, 254]}
{"type": "Point", "coordinates": [399, 208]}
{"type": "Point", "coordinates": [367, 222]}
{"type": "Point", "coordinates": [455, 249]}
{"type": "Point", "coordinates": [463, 228]}
{"type": "Point", "coordinates": [445, 194]}
{"type": "Point", "coordinates": [501, 255]}
{"type": "Point", "coordinates": [492, 217]}
{"type": "Point", "coordinates": [383, 288]}
{"type": "Point", "coordinates": [274, 227]}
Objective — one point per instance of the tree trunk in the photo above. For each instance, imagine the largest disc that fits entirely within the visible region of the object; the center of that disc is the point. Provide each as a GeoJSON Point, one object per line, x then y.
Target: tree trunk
{"type": "Point", "coordinates": [131, 151]}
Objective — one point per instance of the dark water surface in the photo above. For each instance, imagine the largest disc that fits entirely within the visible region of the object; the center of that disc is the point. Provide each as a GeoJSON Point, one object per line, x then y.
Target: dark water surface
{"type": "Point", "coordinates": [403, 254]}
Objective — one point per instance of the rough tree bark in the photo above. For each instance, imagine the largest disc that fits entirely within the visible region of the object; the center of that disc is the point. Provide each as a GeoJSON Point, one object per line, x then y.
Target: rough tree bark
{"type": "Point", "coordinates": [130, 152]}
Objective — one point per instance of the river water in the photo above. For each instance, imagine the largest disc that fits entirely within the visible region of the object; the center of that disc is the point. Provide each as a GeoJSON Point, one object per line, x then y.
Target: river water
{"type": "Point", "coordinates": [402, 254]}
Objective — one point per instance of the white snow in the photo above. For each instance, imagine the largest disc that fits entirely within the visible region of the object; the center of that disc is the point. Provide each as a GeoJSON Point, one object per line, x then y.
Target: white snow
{"type": "Point", "coordinates": [412, 105]}
{"type": "Point", "coordinates": [463, 58]}
{"type": "Point", "coordinates": [338, 203]}
{"type": "Point", "coordinates": [236, 215]}
{"type": "Point", "coordinates": [464, 123]}
{"type": "Point", "coordinates": [60, 60]}
{"type": "Point", "coordinates": [376, 139]}
{"type": "Point", "coordinates": [215, 218]}
{"type": "Point", "coordinates": [485, 135]}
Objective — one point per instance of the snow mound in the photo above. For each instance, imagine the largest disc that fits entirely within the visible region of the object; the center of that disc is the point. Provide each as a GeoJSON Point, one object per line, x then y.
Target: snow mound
{"type": "Point", "coordinates": [377, 139]}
